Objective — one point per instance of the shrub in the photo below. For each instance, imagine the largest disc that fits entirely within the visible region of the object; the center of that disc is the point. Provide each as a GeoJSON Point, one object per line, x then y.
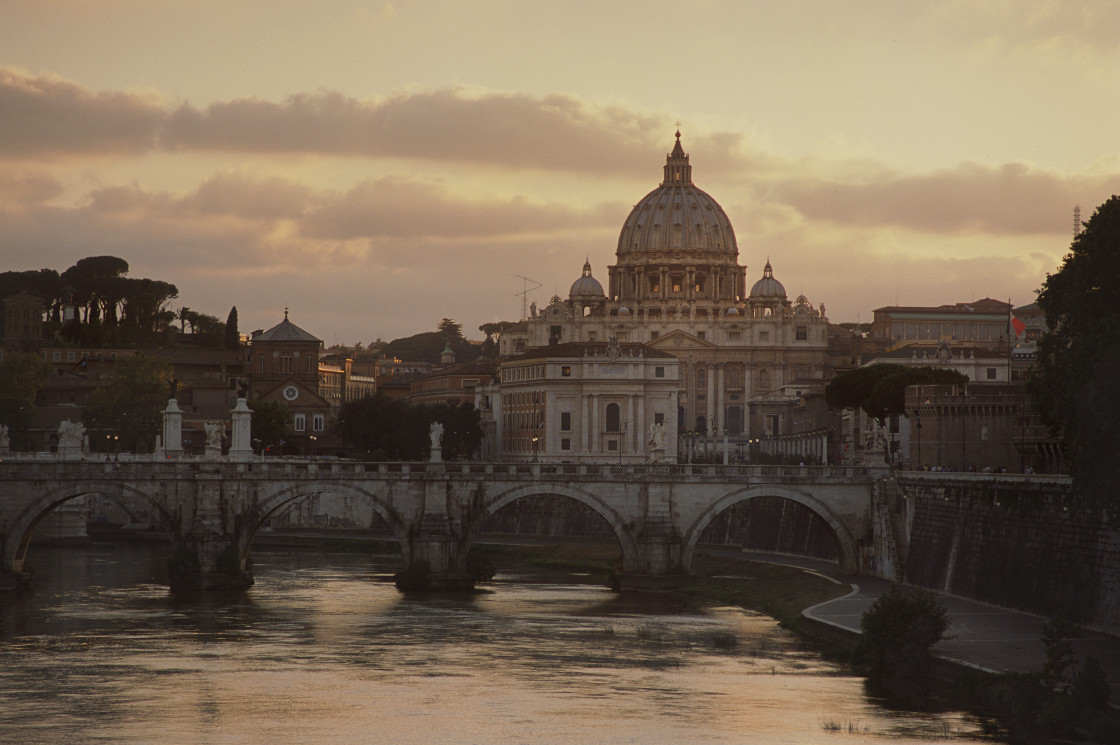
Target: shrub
{"type": "Point", "coordinates": [899, 629]}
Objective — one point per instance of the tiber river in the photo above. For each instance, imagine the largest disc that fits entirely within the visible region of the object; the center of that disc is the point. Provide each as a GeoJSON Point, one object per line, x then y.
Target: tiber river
{"type": "Point", "coordinates": [324, 650]}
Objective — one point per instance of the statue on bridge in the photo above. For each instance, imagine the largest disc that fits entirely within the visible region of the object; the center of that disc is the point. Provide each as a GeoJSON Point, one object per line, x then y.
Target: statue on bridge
{"type": "Point", "coordinates": [214, 433]}
{"type": "Point", "coordinates": [435, 434]}
{"type": "Point", "coordinates": [70, 435]}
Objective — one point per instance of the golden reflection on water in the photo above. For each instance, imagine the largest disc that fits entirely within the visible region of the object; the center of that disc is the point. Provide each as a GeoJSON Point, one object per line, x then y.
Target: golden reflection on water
{"type": "Point", "coordinates": [322, 650]}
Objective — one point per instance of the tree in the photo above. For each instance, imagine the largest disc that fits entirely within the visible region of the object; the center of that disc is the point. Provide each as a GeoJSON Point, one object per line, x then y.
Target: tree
{"type": "Point", "coordinates": [21, 377]}
{"type": "Point", "coordinates": [880, 390]}
{"type": "Point", "coordinates": [233, 337]}
{"type": "Point", "coordinates": [269, 424]}
{"type": "Point", "coordinates": [897, 633]}
{"type": "Point", "coordinates": [131, 405]}
{"type": "Point", "coordinates": [1073, 385]}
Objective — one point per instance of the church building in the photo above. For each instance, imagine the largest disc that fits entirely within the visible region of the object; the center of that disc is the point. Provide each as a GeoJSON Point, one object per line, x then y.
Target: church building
{"type": "Point", "coordinates": [677, 287]}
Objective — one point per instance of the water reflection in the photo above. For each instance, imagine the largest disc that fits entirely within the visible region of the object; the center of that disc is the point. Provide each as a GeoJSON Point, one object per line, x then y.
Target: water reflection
{"type": "Point", "coordinates": [324, 650]}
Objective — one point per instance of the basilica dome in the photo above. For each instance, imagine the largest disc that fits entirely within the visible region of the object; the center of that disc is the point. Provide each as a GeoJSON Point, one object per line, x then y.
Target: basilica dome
{"type": "Point", "coordinates": [586, 287]}
{"type": "Point", "coordinates": [677, 217]}
{"type": "Point", "coordinates": [768, 287]}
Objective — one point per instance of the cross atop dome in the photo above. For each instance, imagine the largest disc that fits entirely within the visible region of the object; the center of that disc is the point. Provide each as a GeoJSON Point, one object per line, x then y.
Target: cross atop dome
{"type": "Point", "coordinates": [677, 169]}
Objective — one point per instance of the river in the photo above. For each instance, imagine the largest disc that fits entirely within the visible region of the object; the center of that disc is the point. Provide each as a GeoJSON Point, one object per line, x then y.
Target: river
{"type": "Point", "coordinates": [324, 650]}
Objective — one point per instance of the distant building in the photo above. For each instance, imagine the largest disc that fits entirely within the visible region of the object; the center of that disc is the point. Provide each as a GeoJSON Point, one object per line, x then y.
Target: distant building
{"type": "Point", "coordinates": [284, 366]}
{"type": "Point", "coordinates": [677, 288]}
{"type": "Point", "coordinates": [453, 383]}
{"type": "Point", "coordinates": [589, 401]}
{"type": "Point", "coordinates": [984, 323]}
{"type": "Point", "coordinates": [22, 323]}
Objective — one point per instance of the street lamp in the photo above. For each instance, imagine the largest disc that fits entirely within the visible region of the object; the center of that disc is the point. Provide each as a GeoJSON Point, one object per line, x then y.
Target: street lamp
{"type": "Point", "coordinates": [536, 440]}
{"type": "Point", "coordinates": [313, 438]}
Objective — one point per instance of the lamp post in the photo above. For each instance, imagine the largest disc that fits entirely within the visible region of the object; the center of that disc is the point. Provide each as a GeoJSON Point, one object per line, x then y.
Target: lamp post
{"type": "Point", "coordinates": [536, 440]}
{"type": "Point", "coordinates": [918, 426]}
{"type": "Point", "coordinates": [313, 439]}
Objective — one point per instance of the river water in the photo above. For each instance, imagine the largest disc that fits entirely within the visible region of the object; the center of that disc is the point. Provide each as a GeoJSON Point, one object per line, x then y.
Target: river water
{"type": "Point", "coordinates": [324, 650]}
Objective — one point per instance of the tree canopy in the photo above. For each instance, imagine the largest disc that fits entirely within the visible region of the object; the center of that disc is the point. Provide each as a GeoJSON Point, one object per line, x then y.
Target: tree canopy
{"type": "Point", "coordinates": [113, 309]}
{"type": "Point", "coordinates": [385, 428]}
{"type": "Point", "coordinates": [1073, 386]}
{"type": "Point", "coordinates": [429, 345]}
{"type": "Point", "coordinates": [21, 376]}
{"type": "Point", "coordinates": [131, 405]}
{"type": "Point", "coordinates": [269, 424]}
{"type": "Point", "coordinates": [880, 390]}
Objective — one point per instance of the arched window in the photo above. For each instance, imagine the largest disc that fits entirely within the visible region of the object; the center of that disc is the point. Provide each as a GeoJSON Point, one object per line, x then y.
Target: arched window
{"type": "Point", "coordinates": [612, 418]}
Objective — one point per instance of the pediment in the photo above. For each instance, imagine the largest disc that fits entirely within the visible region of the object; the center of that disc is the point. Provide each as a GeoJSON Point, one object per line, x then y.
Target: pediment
{"type": "Point", "coordinates": [307, 397]}
{"type": "Point", "coordinates": [678, 339]}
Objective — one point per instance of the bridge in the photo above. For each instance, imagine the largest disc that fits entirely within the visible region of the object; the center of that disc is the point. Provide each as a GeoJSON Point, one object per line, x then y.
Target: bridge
{"type": "Point", "coordinates": [211, 509]}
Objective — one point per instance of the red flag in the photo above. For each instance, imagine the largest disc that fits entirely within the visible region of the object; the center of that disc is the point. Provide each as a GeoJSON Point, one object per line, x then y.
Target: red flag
{"type": "Point", "coordinates": [1018, 325]}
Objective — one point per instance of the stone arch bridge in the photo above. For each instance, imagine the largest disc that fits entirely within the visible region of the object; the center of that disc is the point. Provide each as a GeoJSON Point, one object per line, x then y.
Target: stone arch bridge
{"type": "Point", "coordinates": [212, 509]}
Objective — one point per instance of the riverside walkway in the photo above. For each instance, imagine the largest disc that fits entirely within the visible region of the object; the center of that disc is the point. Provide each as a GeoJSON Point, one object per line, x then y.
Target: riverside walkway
{"type": "Point", "coordinates": [984, 637]}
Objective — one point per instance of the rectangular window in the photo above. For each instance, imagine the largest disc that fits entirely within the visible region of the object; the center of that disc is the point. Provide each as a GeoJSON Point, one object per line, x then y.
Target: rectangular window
{"type": "Point", "coordinates": [802, 333]}
{"type": "Point", "coordinates": [612, 444]}
{"type": "Point", "coordinates": [701, 335]}
{"type": "Point", "coordinates": [565, 421]}
{"type": "Point", "coordinates": [299, 422]}
{"type": "Point", "coordinates": [764, 336]}
{"type": "Point", "coordinates": [58, 356]}
{"type": "Point", "coordinates": [734, 335]}
{"type": "Point", "coordinates": [991, 372]}
{"type": "Point", "coordinates": [310, 362]}
{"type": "Point", "coordinates": [659, 372]}
{"type": "Point", "coordinates": [658, 418]}
{"type": "Point", "coordinates": [69, 356]}
{"type": "Point", "coordinates": [470, 382]}
{"type": "Point", "coordinates": [565, 443]}
{"type": "Point", "coordinates": [652, 335]}
{"type": "Point", "coordinates": [565, 371]}
{"type": "Point", "coordinates": [317, 422]}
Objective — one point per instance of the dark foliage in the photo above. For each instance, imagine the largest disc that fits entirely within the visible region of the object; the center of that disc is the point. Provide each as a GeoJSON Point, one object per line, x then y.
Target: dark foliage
{"type": "Point", "coordinates": [1073, 386]}
{"type": "Point", "coordinates": [381, 427]}
{"type": "Point", "coordinates": [898, 631]}
{"type": "Point", "coordinates": [880, 390]}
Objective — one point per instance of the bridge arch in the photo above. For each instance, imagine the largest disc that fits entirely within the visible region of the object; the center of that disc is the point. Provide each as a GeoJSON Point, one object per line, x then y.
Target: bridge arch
{"type": "Point", "coordinates": [846, 543]}
{"type": "Point", "coordinates": [499, 500]}
{"type": "Point", "coordinates": [272, 503]}
{"type": "Point", "coordinates": [129, 498]}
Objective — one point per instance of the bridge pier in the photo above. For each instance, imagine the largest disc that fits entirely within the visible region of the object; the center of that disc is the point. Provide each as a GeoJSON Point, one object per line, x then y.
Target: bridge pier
{"type": "Point", "coordinates": [208, 563]}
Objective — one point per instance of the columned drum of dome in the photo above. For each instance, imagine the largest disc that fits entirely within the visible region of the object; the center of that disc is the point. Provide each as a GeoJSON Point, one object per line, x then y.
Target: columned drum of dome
{"type": "Point", "coordinates": [677, 244]}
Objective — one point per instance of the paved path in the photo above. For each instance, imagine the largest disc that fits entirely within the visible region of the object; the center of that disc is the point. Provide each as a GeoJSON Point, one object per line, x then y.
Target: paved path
{"type": "Point", "coordinates": [983, 636]}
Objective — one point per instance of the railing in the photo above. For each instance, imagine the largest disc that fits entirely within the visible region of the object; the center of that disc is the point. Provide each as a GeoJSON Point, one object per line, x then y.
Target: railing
{"type": "Point", "coordinates": [146, 467]}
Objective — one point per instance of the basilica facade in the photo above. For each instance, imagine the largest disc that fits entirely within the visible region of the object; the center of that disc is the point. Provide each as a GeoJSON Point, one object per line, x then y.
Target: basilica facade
{"type": "Point", "coordinates": [677, 287]}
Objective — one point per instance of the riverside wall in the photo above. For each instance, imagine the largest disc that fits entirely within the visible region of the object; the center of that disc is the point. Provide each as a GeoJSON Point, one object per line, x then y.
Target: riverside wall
{"type": "Point", "coordinates": [1028, 543]}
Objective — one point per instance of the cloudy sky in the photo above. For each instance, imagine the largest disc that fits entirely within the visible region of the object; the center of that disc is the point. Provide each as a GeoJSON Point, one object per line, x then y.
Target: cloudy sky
{"type": "Point", "coordinates": [377, 166]}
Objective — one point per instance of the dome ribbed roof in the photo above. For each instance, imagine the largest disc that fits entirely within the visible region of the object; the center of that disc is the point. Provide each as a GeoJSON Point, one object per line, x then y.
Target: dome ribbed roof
{"type": "Point", "coordinates": [768, 286]}
{"type": "Point", "coordinates": [586, 287]}
{"type": "Point", "coordinates": [677, 216]}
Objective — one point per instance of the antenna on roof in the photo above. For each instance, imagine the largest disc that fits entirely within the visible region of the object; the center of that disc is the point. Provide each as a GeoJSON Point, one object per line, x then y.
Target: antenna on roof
{"type": "Point", "coordinates": [1076, 220]}
{"type": "Point", "coordinates": [525, 290]}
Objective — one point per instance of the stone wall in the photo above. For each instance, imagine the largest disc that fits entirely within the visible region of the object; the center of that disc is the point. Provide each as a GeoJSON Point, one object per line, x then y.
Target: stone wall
{"type": "Point", "coordinates": [1014, 541]}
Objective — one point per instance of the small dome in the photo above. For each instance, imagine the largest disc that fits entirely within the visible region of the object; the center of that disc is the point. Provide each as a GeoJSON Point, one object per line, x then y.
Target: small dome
{"type": "Point", "coordinates": [586, 287]}
{"type": "Point", "coordinates": [732, 311]}
{"type": "Point", "coordinates": [768, 287]}
{"type": "Point", "coordinates": [623, 310]}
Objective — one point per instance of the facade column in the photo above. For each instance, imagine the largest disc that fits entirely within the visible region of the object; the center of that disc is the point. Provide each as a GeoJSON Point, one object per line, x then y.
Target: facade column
{"type": "Point", "coordinates": [594, 423]}
{"type": "Point", "coordinates": [711, 400]}
{"type": "Point", "coordinates": [721, 407]}
{"type": "Point", "coordinates": [584, 429]}
{"type": "Point", "coordinates": [629, 423]}
{"type": "Point", "coordinates": [746, 400]}
{"type": "Point", "coordinates": [640, 439]}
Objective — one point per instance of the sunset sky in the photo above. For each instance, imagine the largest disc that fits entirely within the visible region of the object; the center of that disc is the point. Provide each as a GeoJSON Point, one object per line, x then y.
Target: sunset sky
{"type": "Point", "coordinates": [377, 166]}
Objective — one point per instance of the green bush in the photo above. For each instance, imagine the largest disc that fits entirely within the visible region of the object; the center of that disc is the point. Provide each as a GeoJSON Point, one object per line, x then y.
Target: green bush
{"type": "Point", "coordinates": [899, 629]}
